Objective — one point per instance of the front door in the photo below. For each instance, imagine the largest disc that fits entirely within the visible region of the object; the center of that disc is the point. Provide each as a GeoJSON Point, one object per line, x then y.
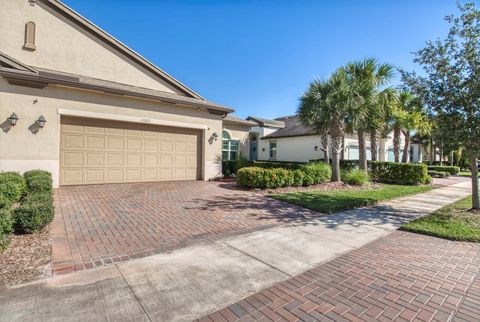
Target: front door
{"type": "Point", "coordinates": [253, 151]}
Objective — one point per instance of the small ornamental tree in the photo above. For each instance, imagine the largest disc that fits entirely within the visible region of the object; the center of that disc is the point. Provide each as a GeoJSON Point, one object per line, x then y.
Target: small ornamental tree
{"type": "Point", "coordinates": [450, 85]}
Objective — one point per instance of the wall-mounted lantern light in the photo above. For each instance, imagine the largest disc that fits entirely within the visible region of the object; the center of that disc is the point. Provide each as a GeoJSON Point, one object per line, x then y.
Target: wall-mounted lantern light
{"type": "Point", "coordinates": [316, 148]}
{"type": "Point", "coordinates": [13, 119]}
{"type": "Point", "coordinates": [41, 121]}
{"type": "Point", "coordinates": [263, 149]}
{"type": "Point", "coordinates": [215, 136]}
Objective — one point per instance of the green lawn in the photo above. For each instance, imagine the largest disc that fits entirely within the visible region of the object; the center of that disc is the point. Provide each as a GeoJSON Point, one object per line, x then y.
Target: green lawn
{"type": "Point", "coordinates": [329, 201]}
{"type": "Point", "coordinates": [451, 222]}
{"type": "Point", "coordinates": [465, 174]}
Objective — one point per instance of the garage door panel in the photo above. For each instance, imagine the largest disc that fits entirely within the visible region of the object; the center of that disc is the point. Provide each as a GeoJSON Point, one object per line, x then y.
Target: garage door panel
{"type": "Point", "coordinates": [73, 176]}
{"type": "Point", "coordinates": [72, 158]}
{"type": "Point", "coordinates": [134, 144]}
{"type": "Point", "coordinates": [94, 142]}
{"type": "Point", "coordinates": [96, 151]}
{"type": "Point", "coordinates": [114, 143]}
{"type": "Point", "coordinates": [94, 159]}
{"type": "Point", "coordinates": [114, 159]}
{"type": "Point", "coordinates": [166, 145]}
{"type": "Point", "coordinates": [114, 175]}
{"type": "Point", "coordinates": [181, 146]}
{"type": "Point", "coordinates": [150, 145]}
{"type": "Point", "coordinates": [149, 174]}
{"type": "Point", "coordinates": [167, 160]}
{"type": "Point", "coordinates": [134, 160]}
{"type": "Point", "coordinates": [133, 174]}
{"type": "Point", "coordinates": [93, 175]}
{"type": "Point", "coordinates": [72, 141]}
{"type": "Point", "coordinates": [150, 160]}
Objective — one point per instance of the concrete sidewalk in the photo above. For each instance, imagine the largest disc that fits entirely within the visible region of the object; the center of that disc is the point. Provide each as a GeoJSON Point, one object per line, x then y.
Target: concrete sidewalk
{"type": "Point", "coordinates": [192, 282]}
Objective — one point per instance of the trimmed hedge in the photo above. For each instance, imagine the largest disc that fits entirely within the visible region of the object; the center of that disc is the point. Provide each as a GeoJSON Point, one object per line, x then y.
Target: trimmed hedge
{"type": "Point", "coordinates": [319, 172]}
{"type": "Point", "coordinates": [269, 178]}
{"type": "Point", "coordinates": [398, 173]}
{"type": "Point", "coordinates": [450, 169]}
{"type": "Point", "coordinates": [6, 223]}
{"type": "Point", "coordinates": [12, 187]}
{"type": "Point", "coordinates": [34, 213]}
{"type": "Point", "coordinates": [38, 181]}
{"type": "Point", "coordinates": [230, 167]}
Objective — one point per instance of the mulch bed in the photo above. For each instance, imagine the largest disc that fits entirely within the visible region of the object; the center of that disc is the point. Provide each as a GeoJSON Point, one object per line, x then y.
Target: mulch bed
{"type": "Point", "coordinates": [27, 258]}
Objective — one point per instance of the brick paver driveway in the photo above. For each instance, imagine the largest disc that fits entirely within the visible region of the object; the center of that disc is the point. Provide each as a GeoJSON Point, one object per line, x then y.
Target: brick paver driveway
{"type": "Point", "coordinates": [401, 277]}
{"type": "Point", "coordinates": [100, 224]}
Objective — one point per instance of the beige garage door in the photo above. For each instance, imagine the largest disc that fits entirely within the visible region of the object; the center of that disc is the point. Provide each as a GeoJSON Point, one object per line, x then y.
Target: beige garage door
{"type": "Point", "coordinates": [99, 151]}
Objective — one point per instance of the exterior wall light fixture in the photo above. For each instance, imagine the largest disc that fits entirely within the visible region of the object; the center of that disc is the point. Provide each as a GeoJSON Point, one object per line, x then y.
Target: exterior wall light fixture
{"type": "Point", "coordinates": [13, 119]}
{"type": "Point", "coordinates": [316, 148]}
{"type": "Point", "coordinates": [41, 121]}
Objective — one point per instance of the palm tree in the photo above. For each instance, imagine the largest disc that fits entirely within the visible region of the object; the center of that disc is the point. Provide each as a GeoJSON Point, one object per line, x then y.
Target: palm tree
{"type": "Point", "coordinates": [388, 104]}
{"type": "Point", "coordinates": [366, 78]}
{"type": "Point", "coordinates": [325, 107]}
{"type": "Point", "coordinates": [413, 121]}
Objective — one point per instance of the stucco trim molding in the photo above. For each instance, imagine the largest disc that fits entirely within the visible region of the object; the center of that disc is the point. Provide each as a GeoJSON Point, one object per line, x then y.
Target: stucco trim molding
{"type": "Point", "coordinates": [132, 119]}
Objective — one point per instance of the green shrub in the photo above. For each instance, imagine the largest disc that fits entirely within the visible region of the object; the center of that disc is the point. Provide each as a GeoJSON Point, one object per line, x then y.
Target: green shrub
{"type": "Point", "coordinates": [449, 169]}
{"type": "Point", "coordinates": [355, 177]}
{"type": "Point", "coordinates": [320, 172]}
{"type": "Point", "coordinates": [230, 167]}
{"type": "Point", "coordinates": [254, 177]}
{"type": "Point", "coordinates": [398, 173]}
{"type": "Point", "coordinates": [12, 186]}
{"type": "Point", "coordinates": [39, 183]}
{"type": "Point", "coordinates": [308, 180]}
{"type": "Point", "coordinates": [347, 165]}
{"type": "Point", "coordinates": [298, 177]}
{"type": "Point", "coordinates": [35, 212]}
{"type": "Point", "coordinates": [36, 173]}
{"type": "Point", "coordinates": [278, 164]}
{"type": "Point", "coordinates": [6, 221]}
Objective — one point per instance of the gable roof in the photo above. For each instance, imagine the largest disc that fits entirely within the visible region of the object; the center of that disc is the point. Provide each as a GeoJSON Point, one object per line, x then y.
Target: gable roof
{"type": "Point", "coordinates": [293, 127]}
{"type": "Point", "coordinates": [266, 122]}
{"type": "Point", "coordinates": [17, 73]}
{"type": "Point", "coordinates": [96, 31]}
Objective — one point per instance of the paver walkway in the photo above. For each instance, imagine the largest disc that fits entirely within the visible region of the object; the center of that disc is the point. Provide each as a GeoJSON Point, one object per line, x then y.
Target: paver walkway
{"type": "Point", "coordinates": [401, 277]}
{"type": "Point", "coordinates": [195, 281]}
{"type": "Point", "coordinates": [100, 224]}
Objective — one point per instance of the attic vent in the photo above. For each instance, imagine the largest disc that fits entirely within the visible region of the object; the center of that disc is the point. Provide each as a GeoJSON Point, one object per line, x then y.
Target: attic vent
{"type": "Point", "coordinates": [30, 36]}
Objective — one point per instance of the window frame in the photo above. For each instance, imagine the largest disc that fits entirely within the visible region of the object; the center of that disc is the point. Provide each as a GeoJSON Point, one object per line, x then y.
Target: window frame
{"type": "Point", "coordinates": [272, 151]}
{"type": "Point", "coordinates": [229, 150]}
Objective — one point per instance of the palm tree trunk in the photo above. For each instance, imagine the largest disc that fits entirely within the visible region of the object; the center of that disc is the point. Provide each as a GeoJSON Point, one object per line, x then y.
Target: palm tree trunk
{"type": "Point", "coordinates": [336, 145]}
{"type": "Point", "coordinates": [452, 159]}
{"type": "Point", "coordinates": [342, 155]}
{"type": "Point", "coordinates": [374, 145]}
{"type": "Point", "coordinates": [396, 143]}
{"type": "Point", "coordinates": [475, 188]}
{"type": "Point", "coordinates": [406, 147]}
{"type": "Point", "coordinates": [362, 150]}
{"type": "Point", "coordinates": [325, 149]}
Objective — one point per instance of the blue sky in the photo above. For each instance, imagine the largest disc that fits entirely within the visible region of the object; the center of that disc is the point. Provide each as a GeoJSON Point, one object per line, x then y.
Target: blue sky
{"type": "Point", "coordinates": [259, 56]}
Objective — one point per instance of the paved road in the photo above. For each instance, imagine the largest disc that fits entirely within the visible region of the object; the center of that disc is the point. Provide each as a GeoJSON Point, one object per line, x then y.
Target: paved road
{"type": "Point", "coordinates": [195, 281]}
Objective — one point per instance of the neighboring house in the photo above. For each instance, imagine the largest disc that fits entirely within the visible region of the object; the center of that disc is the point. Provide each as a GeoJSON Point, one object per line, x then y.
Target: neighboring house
{"type": "Point", "coordinates": [111, 115]}
{"type": "Point", "coordinates": [287, 139]}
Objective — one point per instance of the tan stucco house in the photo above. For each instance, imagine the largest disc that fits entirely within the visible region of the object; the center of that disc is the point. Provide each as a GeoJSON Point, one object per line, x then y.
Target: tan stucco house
{"type": "Point", "coordinates": [77, 102]}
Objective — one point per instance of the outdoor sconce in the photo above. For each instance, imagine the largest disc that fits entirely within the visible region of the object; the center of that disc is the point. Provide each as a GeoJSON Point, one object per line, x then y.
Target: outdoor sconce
{"type": "Point", "coordinates": [41, 121]}
{"type": "Point", "coordinates": [13, 119]}
{"type": "Point", "coordinates": [263, 149]}
{"type": "Point", "coordinates": [316, 148]}
{"type": "Point", "coordinates": [215, 136]}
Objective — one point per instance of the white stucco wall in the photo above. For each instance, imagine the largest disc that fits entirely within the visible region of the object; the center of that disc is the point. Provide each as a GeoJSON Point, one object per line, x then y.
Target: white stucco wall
{"type": "Point", "coordinates": [63, 46]}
